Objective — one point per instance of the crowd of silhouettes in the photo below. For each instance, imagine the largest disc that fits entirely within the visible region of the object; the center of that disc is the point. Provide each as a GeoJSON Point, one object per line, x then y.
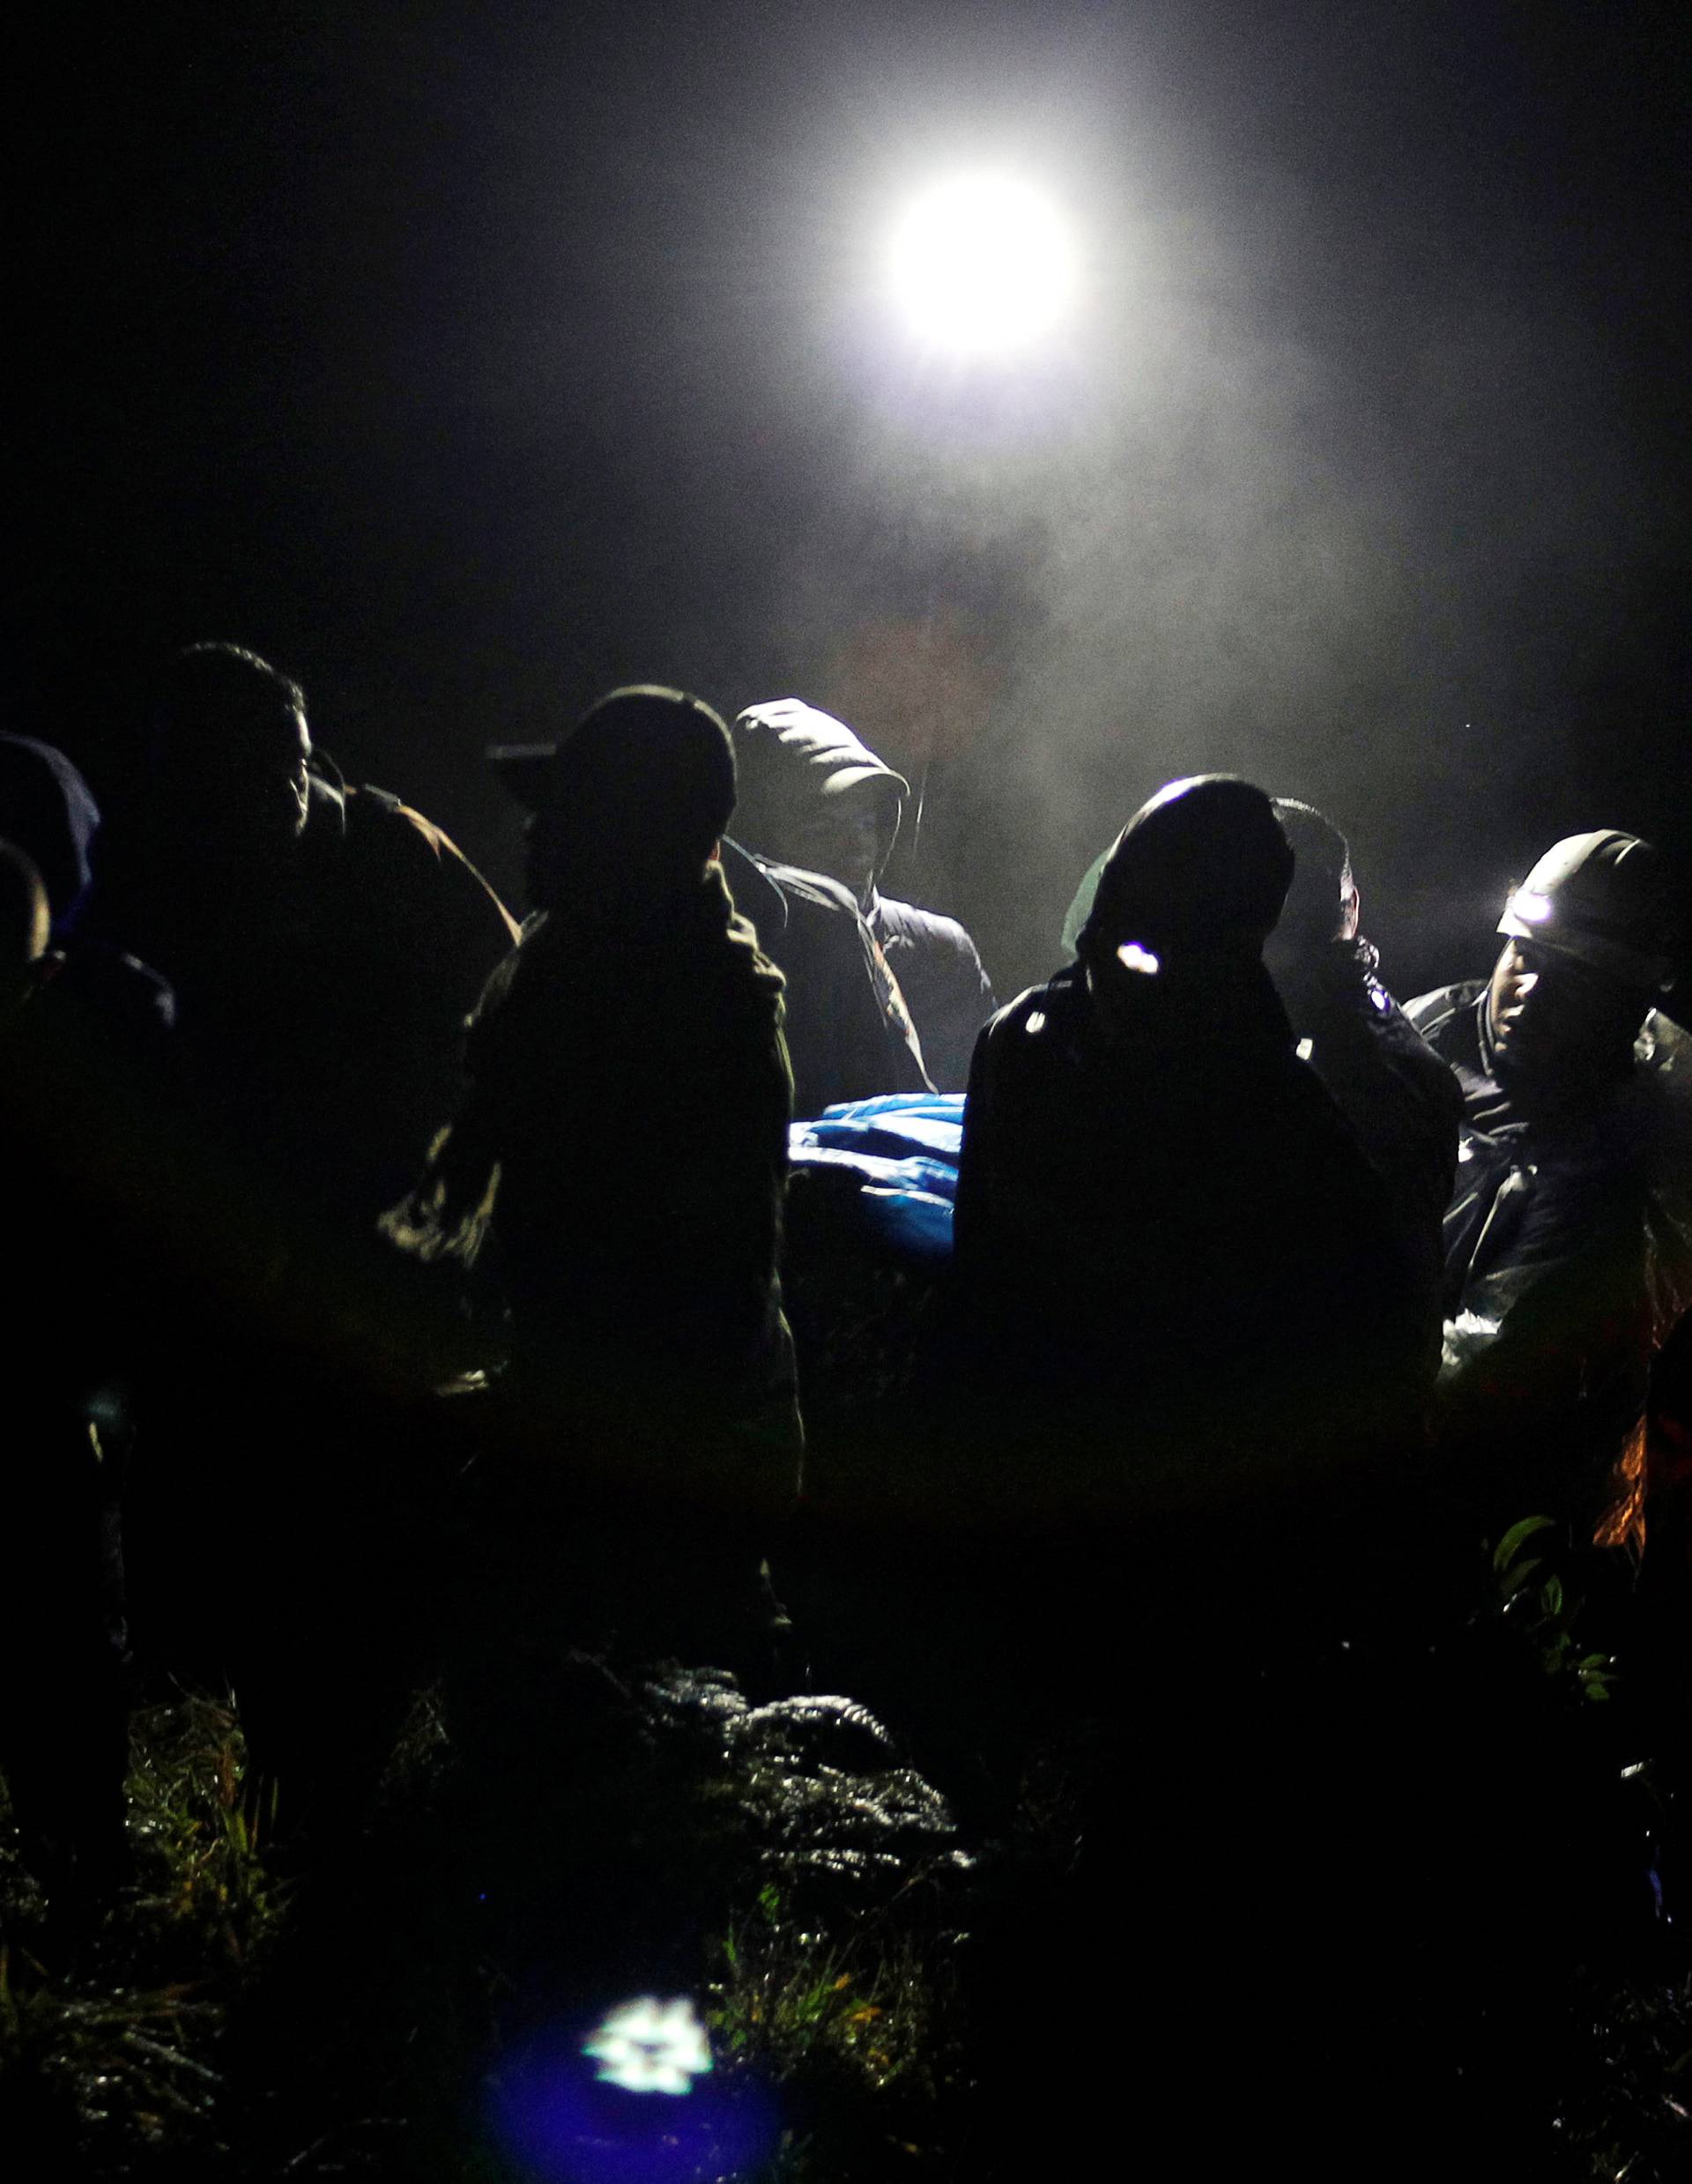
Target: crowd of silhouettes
{"type": "Point", "coordinates": [403, 1285]}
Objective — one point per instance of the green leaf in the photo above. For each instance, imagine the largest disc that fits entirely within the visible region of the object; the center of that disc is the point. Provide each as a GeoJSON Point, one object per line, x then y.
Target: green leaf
{"type": "Point", "coordinates": [1516, 1578]}
{"type": "Point", "coordinates": [1551, 1596]}
{"type": "Point", "coordinates": [1517, 1533]}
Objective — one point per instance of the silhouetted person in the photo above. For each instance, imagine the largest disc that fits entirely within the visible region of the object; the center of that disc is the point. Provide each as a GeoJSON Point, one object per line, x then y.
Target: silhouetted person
{"type": "Point", "coordinates": [815, 796]}
{"type": "Point", "coordinates": [79, 1031]}
{"type": "Point", "coordinates": [622, 1142]}
{"type": "Point", "coordinates": [52, 1633]}
{"type": "Point", "coordinates": [325, 942]}
{"type": "Point", "coordinates": [1399, 1096]}
{"type": "Point", "coordinates": [1568, 1237]}
{"type": "Point", "coordinates": [1166, 1235]}
{"type": "Point", "coordinates": [1195, 1350]}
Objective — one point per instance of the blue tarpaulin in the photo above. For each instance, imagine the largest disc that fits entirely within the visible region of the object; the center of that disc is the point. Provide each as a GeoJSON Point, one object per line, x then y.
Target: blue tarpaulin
{"type": "Point", "coordinates": [903, 1151]}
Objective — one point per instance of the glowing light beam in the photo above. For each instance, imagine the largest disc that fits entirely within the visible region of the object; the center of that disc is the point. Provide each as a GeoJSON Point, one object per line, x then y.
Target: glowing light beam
{"type": "Point", "coordinates": [982, 264]}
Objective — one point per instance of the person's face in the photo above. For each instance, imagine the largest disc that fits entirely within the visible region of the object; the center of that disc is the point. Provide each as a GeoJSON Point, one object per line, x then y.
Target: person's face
{"type": "Point", "coordinates": [283, 785]}
{"type": "Point", "coordinates": [840, 836]}
{"type": "Point", "coordinates": [252, 785]}
{"type": "Point", "coordinates": [1550, 1015]}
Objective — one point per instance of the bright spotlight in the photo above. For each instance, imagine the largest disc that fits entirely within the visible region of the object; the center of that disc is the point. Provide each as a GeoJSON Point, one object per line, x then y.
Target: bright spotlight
{"type": "Point", "coordinates": [983, 263]}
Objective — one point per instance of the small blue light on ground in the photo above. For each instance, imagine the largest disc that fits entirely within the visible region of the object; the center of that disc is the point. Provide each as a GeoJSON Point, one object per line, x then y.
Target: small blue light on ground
{"type": "Point", "coordinates": [634, 2097]}
{"type": "Point", "coordinates": [649, 2046]}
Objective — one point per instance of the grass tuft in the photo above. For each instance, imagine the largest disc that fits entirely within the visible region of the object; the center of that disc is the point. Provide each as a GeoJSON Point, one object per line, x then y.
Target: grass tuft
{"type": "Point", "coordinates": [109, 2023]}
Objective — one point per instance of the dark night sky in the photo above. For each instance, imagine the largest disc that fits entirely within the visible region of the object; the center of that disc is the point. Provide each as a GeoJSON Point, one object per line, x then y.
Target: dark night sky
{"type": "Point", "coordinates": [464, 360]}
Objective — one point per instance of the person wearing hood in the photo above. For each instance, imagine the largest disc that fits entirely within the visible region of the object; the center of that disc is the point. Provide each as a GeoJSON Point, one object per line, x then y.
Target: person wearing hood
{"type": "Point", "coordinates": [1399, 1098]}
{"type": "Point", "coordinates": [1176, 1259]}
{"type": "Point", "coordinates": [1196, 1361]}
{"type": "Point", "coordinates": [1567, 1240]}
{"type": "Point", "coordinates": [621, 1141]}
{"type": "Point", "coordinates": [815, 796]}
{"type": "Point", "coordinates": [850, 1034]}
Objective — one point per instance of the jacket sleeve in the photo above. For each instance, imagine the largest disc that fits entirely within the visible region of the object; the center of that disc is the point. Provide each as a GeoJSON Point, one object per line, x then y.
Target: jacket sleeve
{"type": "Point", "coordinates": [1553, 1309]}
{"type": "Point", "coordinates": [957, 1003]}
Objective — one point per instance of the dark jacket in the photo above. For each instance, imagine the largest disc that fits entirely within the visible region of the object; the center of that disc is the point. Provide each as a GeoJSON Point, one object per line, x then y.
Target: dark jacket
{"type": "Point", "coordinates": [79, 1067]}
{"type": "Point", "coordinates": [849, 1032]}
{"type": "Point", "coordinates": [1568, 1252]}
{"type": "Point", "coordinates": [942, 979]}
{"type": "Point", "coordinates": [1175, 1265]}
{"type": "Point", "coordinates": [622, 1138]}
{"type": "Point", "coordinates": [321, 1011]}
{"type": "Point", "coordinates": [83, 1098]}
{"type": "Point", "coordinates": [1397, 1094]}
{"type": "Point", "coordinates": [85, 1116]}
{"type": "Point", "coordinates": [788, 756]}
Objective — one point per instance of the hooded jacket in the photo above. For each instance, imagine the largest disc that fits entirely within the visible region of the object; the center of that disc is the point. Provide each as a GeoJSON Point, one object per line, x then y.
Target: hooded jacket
{"type": "Point", "coordinates": [790, 756]}
{"type": "Point", "coordinates": [1397, 1094]}
{"type": "Point", "coordinates": [1179, 1280]}
{"type": "Point", "coordinates": [1182, 1278]}
{"type": "Point", "coordinates": [848, 1031]}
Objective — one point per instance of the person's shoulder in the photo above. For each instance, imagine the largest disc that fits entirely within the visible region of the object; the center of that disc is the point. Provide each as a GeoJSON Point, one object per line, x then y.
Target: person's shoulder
{"type": "Point", "coordinates": [1429, 1014]}
{"type": "Point", "coordinates": [378, 820]}
{"type": "Point", "coordinates": [818, 913]}
{"type": "Point", "coordinates": [812, 890]}
{"type": "Point", "coordinates": [384, 829]}
{"type": "Point", "coordinates": [910, 921]}
{"type": "Point", "coordinates": [1044, 1013]}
